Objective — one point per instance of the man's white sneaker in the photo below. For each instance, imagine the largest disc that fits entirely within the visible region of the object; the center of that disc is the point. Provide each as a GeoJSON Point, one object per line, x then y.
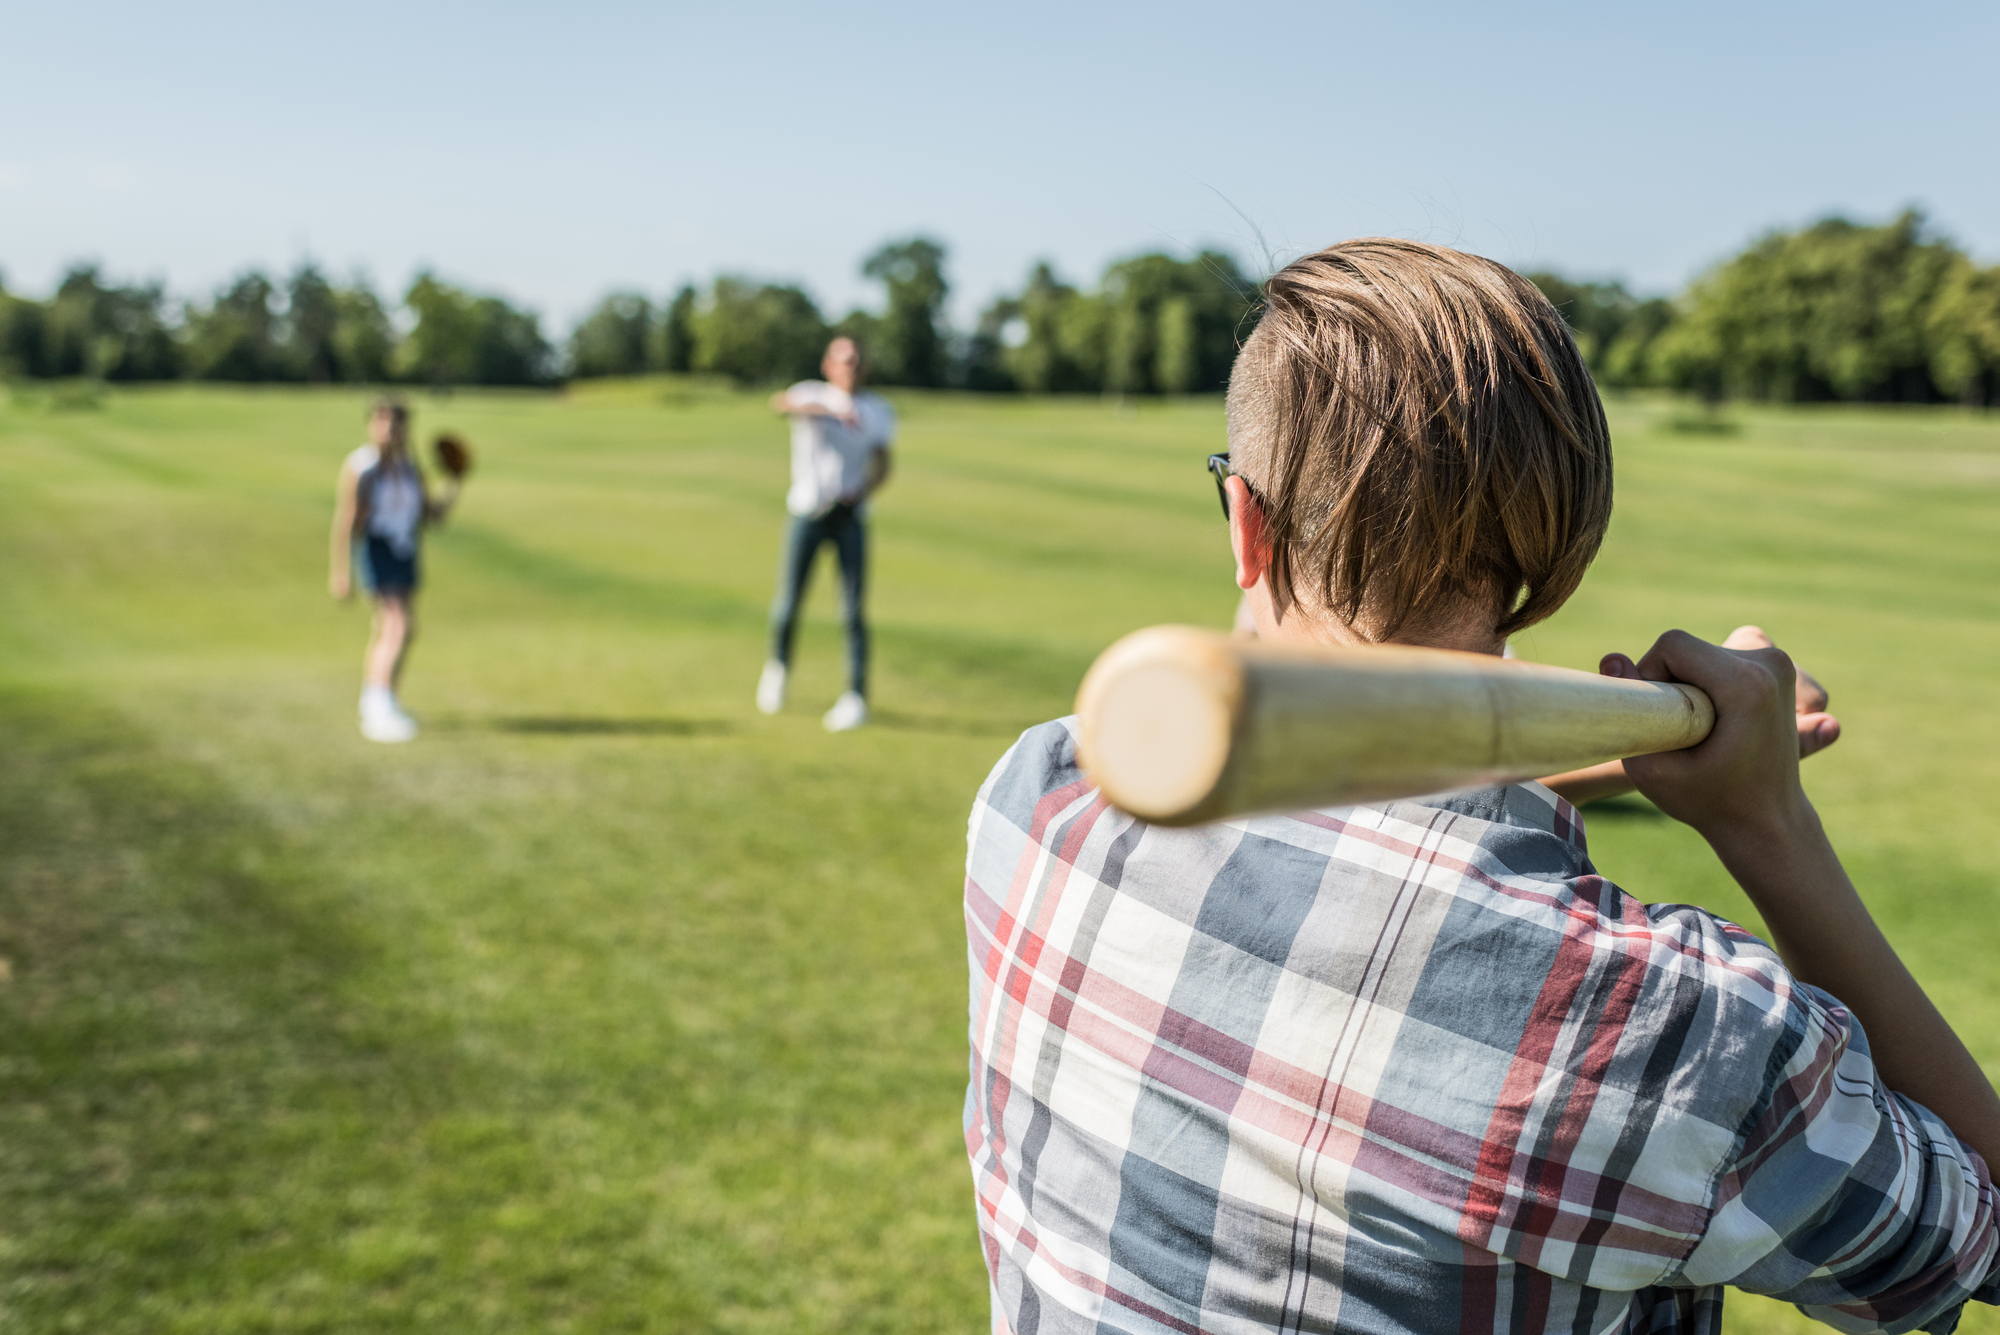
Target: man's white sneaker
{"type": "Point", "coordinates": [849, 711]}
{"type": "Point", "coordinates": [771, 688]}
{"type": "Point", "coordinates": [383, 720]}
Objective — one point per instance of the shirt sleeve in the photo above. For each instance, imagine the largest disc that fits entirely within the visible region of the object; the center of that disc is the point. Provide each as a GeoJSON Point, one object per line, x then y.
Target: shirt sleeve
{"type": "Point", "coordinates": [1847, 1199]}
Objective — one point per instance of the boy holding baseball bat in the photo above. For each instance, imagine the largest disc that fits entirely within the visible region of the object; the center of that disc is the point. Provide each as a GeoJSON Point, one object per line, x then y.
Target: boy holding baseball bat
{"type": "Point", "coordinates": [1417, 1066]}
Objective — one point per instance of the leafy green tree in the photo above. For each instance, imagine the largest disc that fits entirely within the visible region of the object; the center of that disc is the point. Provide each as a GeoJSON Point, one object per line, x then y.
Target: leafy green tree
{"type": "Point", "coordinates": [908, 344]}
{"type": "Point", "coordinates": [312, 318]}
{"type": "Point", "coordinates": [758, 333]}
{"type": "Point", "coordinates": [1595, 312]}
{"type": "Point", "coordinates": [983, 363]}
{"type": "Point", "coordinates": [614, 339]}
{"type": "Point", "coordinates": [439, 348]}
{"type": "Point", "coordinates": [865, 328]}
{"type": "Point", "coordinates": [1063, 346]}
{"type": "Point", "coordinates": [1963, 328]}
{"type": "Point", "coordinates": [1177, 348]}
{"type": "Point", "coordinates": [509, 348]}
{"type": "Point", "coordinates": [1131, 329]}
{"type": "Point", "coordinates": [364, 342]}
{"type": "Point", "coordinates": [1615, 331]}
{"type": "Point", "coordinates": [1836, 311]}
{"type": "Point", "coordinates": [77, 318]}
{"type": "Point", "coordinates": [673, 335]}
{"type": "Point", "coordinates": [113, 333]}
{"type": "Point", "coordinates": [236, 338]}
{"type": "Point", "coordinates": [21, 323]}
{"type": "Point", "coordinates": [463, 339]}
{"type": "Point", "coordinates": [1172, 325]}
{"type": "Point", "coordinates": [1628, 360]}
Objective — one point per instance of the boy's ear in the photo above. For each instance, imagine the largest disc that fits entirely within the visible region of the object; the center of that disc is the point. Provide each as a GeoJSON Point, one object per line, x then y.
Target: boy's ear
{"type": "Point", "coordinates": [1249, 539]}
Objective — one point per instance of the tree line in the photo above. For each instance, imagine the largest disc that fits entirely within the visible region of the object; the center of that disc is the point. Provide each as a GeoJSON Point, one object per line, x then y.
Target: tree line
{"type": "Point", "coordinates": [306, 329]}
{"type": "Point", "coordinates": [1839, 310]}
{"type": "Point", "coordinates": [1154, 324]}
{"type": "Point", "coordinates": [1836, 310]}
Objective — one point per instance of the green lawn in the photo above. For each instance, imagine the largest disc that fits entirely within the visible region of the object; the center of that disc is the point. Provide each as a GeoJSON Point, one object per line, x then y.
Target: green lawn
{"type": "Point", "coordinates": [613, 1005]}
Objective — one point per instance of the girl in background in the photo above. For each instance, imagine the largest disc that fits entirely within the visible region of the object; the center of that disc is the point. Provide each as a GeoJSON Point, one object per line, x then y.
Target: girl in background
{"type": "Point", "coordinates": [380, 508]}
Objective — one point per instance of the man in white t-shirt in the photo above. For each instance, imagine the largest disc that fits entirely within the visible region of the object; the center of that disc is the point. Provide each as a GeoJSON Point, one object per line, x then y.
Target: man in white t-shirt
{"type": "Point", "coordinates": [840, 454]}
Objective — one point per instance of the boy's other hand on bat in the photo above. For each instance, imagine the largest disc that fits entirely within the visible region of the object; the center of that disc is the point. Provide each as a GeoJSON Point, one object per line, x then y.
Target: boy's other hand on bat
{"type": "Point", "coordinates": [1817, 728]}
{"type": "Point", "coordinates": [1768, 715]}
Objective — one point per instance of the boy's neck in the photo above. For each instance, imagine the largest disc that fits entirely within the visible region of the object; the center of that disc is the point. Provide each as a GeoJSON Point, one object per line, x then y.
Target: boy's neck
{"type": "Point", "coordinates": [1470, 630]}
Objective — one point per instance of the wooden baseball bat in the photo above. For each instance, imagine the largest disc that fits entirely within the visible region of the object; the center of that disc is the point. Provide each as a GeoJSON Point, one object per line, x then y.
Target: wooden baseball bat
{"type": "Point", "coordinates": [1181, 726]}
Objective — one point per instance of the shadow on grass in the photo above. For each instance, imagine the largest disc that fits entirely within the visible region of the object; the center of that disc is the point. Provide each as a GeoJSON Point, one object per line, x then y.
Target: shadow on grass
{"type": "Point", "coordinates": [1019, 671]}
{"type": "Point", "coordinates": [60, 395]}
{"type": "Point", "coordinates": [580, 581]}
{"type": "Point", "coordinates": [568, 726]}
{"type": "Point", "coordinates": [1626, 808]}
{"type": "Point", "coordinates": [1701, 424]}
{"type": "Point", "coordinates": [192, 1011]}
{"type": "Point", "coordinates": [946, 724]}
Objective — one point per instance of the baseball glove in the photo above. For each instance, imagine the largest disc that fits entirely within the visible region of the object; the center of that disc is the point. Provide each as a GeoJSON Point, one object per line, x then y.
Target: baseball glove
{"type": "Point", "coordinates": [454, 456]}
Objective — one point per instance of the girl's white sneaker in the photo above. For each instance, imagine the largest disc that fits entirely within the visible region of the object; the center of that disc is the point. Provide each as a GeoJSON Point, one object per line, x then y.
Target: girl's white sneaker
{"type": "Point", "coordinates": [771, 688]}
{"type": "Point", "coordinates": [383, 720]}
{"type": "Point", "coordinates": [849, 711]}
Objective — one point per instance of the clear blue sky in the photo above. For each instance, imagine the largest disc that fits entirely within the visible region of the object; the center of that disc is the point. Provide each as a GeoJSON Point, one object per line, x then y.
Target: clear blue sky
{"type": "Point", "coordinates": [551, 153]}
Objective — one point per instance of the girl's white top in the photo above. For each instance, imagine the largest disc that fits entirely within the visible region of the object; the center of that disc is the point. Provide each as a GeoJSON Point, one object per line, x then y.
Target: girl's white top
{"type": "Point", "coordinates": [394, 498]}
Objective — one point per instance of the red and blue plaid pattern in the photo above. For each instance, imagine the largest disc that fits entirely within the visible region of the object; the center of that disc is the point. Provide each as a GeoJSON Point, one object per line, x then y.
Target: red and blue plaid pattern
{"type": "Point", "coordinates": [1415, 1068]}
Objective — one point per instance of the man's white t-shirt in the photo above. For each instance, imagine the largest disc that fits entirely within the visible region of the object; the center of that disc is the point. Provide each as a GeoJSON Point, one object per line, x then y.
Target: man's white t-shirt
{"type": "Point", "coordinates": [829, 457]}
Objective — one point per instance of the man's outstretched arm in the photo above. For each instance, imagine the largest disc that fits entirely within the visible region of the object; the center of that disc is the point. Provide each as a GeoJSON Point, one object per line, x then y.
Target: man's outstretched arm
{"type": "Point", "coordinates": [792, 405]}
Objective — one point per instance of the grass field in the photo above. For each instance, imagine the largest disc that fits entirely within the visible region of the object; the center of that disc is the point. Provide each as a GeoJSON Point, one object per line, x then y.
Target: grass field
{"type": "Point", "coordinates": [613, 1005]}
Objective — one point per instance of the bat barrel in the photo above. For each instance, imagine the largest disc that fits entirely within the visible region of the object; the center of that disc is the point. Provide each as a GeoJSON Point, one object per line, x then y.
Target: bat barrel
{"type": "Point", "coordinates": [1180, 725]}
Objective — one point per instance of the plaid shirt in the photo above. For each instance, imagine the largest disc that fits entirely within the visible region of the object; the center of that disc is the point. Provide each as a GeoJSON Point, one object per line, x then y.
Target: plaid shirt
{"type": "Point", "coordinates": [1415, 1067]}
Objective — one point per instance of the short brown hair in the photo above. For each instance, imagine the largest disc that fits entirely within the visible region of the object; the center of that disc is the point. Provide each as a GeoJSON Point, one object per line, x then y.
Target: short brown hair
{"type": "Point", "coordinates": [1421, 431]}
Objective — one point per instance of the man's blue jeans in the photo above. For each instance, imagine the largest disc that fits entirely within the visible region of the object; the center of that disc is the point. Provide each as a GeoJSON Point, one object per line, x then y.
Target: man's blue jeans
{"type": "Point", "coordinates": [845, 529]}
